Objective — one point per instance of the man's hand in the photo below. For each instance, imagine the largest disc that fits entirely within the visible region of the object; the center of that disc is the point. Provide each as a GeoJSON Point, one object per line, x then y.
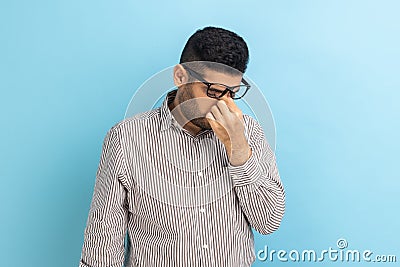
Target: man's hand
{"type": "Point", "coordinates": [226, 120]}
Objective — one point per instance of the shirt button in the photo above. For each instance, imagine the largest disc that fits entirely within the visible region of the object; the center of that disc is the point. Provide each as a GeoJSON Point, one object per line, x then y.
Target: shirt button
{"type": "Point", "coordinates": [234, 176]}
{"type": "Point", "coordinates": [205, 246]}
{"type": "Point", "coordinates": [202, 210]}
{"type": "Point", "coordinates": [200, 174]}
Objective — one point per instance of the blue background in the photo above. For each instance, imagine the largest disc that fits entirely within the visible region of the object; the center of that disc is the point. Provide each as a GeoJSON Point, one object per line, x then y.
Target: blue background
{"type": "Point", "coordinates": [329, 69]}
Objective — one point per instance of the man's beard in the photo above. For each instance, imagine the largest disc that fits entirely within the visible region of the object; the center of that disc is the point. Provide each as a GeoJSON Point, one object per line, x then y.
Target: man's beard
{"type": "Point", "coordinates": [202, 123]}
{"type": "Point", "coordinates": [193, 110]}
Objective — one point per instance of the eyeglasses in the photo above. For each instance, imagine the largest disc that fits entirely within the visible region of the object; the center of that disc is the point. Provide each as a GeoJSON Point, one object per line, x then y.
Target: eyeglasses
{"type": "Point", "coordinates": [214, 89]}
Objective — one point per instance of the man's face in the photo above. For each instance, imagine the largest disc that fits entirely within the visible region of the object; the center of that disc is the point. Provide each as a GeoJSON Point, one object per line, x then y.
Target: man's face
{"type": "Point", "coordinates": [198, 103]}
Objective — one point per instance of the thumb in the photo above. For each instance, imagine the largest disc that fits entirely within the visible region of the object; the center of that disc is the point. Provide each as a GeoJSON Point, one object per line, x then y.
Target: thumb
{"type": "Point", "coordinates": [232, 106]}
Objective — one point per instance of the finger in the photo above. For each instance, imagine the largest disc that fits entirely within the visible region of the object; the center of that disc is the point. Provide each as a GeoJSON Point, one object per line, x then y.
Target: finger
{"type": "Point", "coordinates": [217, 127]}
{"type": "Point", "coordinates": [223, 107]}
{"type": "Point", "coordinates": [210, 116]}
{"type": "Point", "coordinates": [231, 105]}
{"type": "Point", "coordinates": [234, 108]}
{"type": "Point", "coordinates": [216, 113]}
{"type": "Point", "coordinates": [211, 120]}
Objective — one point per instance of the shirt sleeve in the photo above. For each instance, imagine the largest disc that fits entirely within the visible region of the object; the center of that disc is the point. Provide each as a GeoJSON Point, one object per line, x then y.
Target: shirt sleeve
{"type": "Point", "coordinates": [257, 183]}
{"type": "Point", "coordinates": [108, 215]}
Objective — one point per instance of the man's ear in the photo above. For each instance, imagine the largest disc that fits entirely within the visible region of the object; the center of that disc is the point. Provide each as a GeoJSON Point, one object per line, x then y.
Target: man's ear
{"type": "Point", "coordinates": [180, 75]}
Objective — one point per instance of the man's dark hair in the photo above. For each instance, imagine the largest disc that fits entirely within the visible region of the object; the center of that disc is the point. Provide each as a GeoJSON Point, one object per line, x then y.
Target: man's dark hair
{"type": "Point", "coordinates": [217, 45]}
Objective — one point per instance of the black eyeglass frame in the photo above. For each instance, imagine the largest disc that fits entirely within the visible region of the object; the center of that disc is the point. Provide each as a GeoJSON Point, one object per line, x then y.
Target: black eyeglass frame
{"type": "Point", "coordinates": [228, 88]}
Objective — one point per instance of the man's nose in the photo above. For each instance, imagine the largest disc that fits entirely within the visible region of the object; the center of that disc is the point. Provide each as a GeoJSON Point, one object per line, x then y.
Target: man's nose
{"type": "Point", "coordinates": [226, 96]}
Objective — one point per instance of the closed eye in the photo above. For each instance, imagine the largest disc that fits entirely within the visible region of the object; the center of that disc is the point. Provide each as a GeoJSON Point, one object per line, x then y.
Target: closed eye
{"type": "Point", "coordinates": [213, 90]}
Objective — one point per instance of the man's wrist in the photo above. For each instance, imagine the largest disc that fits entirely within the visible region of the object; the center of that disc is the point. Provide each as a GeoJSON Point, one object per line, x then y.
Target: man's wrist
{"type": "Point", "coordinates": [239, 156]}
{"type": "Point", "coordinates": [247, 173]}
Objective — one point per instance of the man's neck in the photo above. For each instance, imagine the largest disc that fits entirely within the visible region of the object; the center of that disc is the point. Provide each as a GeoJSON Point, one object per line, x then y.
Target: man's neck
{"type": "Point", "coordinates": [181, 119]}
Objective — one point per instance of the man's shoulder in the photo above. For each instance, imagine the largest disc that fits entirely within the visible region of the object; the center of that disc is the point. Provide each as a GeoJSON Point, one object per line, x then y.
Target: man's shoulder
{"type": "Point", "coordinates": [139, 120]}
{"type": "Point", "coordinates": [249, 121]}
{"type": "Point", "coordinates": [253, 127]}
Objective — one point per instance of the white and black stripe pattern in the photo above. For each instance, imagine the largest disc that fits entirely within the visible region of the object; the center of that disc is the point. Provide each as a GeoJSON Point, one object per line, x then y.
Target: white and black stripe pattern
{"type": "Point", "coordinates": [200, 232]}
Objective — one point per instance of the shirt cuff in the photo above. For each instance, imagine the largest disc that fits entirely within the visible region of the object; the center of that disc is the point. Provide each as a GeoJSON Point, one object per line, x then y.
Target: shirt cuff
{"type": "Point", "coordinates": [245, 174]}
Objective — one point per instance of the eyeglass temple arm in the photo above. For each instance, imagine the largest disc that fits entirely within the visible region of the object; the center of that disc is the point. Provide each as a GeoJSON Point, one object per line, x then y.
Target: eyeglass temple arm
{"type": "Point", "coordinates": [245, 82]}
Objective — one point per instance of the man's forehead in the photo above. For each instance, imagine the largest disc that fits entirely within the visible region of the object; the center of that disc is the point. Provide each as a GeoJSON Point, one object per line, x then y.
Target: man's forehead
{"type": "Point", "coordinates": [230, 79]}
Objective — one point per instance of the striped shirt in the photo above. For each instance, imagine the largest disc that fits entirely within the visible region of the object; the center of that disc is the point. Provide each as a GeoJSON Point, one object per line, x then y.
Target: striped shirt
{"type": "Point", "coordinates": [176, 197]}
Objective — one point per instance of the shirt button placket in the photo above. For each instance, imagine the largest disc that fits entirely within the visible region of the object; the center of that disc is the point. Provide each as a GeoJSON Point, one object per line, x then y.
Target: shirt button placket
{"type": "Point", "coordinates": [203, 227]}
{"type": "Point", "coordinates": [205, 230]}
{"type": "Point", "coordinates": [204, 238]}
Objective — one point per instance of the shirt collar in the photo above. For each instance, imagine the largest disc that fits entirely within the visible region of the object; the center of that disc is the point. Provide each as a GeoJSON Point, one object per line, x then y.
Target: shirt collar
{"type": "Point", "coordinates": [165, 114]}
